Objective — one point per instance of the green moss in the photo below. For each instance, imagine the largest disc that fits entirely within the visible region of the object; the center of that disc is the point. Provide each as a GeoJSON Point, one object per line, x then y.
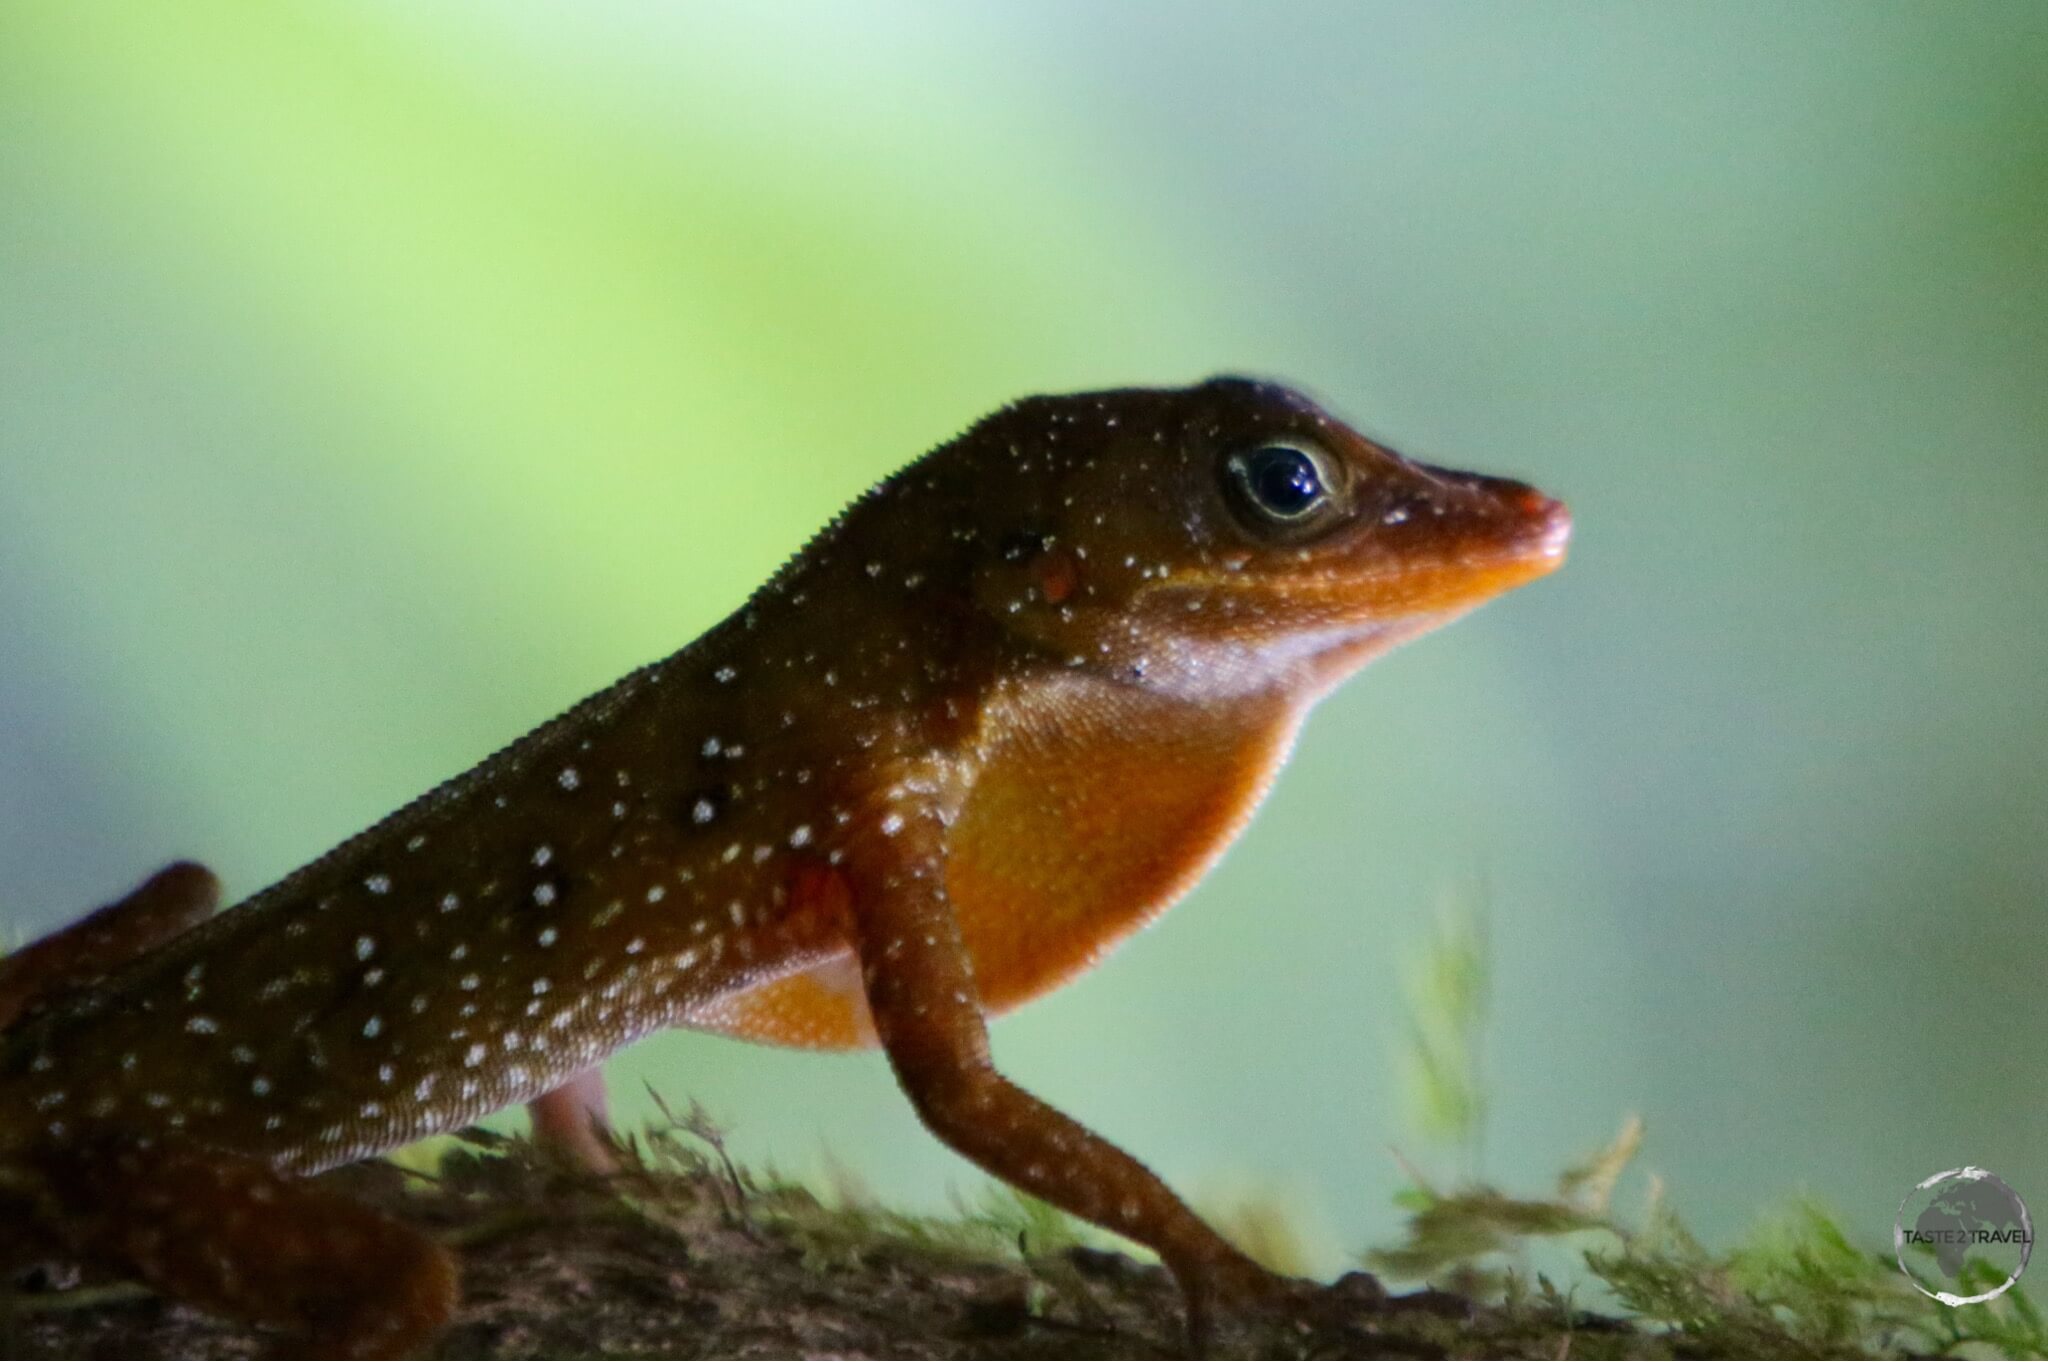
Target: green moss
{"type": "Point", "coordinates": [1798, 1286]}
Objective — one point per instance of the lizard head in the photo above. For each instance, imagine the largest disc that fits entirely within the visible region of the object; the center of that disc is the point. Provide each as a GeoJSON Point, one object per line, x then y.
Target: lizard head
{"type": "Point", "coordinates": [1232, 536]}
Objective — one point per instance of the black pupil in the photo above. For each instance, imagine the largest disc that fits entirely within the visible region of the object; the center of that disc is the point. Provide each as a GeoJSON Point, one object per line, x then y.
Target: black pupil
{"type": "Point", "coordinates": [1284, 480]}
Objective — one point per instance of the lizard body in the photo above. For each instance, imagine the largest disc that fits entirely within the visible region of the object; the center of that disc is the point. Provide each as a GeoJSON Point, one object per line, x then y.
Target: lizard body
{"type": "Point", "coordinates": [1002, 712]}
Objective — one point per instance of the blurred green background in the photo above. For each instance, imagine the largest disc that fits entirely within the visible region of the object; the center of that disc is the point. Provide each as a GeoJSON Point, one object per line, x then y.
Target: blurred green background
{"type": "Point", "coordinates": [377, 379]}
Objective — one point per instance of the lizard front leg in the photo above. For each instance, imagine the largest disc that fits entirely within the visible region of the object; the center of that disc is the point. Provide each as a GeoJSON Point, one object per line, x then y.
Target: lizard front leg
{"type": "Point", "coordinates": [921, 993]}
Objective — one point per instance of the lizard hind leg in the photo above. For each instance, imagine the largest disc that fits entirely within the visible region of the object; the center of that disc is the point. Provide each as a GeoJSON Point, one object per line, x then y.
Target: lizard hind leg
{"type": "Point", "coordinates": [178, 897]}
{"type": "Point", "coordinates": [232, 1236]}
{"type": "Point", "coordinates": [573, 1122]}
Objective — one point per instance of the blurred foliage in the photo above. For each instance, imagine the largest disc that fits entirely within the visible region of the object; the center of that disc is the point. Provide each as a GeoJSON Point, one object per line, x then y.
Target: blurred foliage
{"type": "Point", "coordinates": [1443, 1061]}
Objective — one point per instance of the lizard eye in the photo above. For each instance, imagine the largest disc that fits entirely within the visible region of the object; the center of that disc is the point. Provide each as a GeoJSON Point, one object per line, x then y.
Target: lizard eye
{"type": "Point", "coordinates": [1280, 488]}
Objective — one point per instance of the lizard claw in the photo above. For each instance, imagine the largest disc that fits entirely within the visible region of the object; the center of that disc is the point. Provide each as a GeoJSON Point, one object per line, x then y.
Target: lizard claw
{"type": "Point", "coordinates": [1233, 1285]}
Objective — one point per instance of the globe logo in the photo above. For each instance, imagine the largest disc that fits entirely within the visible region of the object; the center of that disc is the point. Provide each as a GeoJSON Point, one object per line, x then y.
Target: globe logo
{"type": "Point", "coordinates": [1963, 1236]}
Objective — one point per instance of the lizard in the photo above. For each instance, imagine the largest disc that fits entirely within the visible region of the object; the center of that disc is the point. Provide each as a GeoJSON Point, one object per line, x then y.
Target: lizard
{"type": "Point", "coordinates": [1003, 711]}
